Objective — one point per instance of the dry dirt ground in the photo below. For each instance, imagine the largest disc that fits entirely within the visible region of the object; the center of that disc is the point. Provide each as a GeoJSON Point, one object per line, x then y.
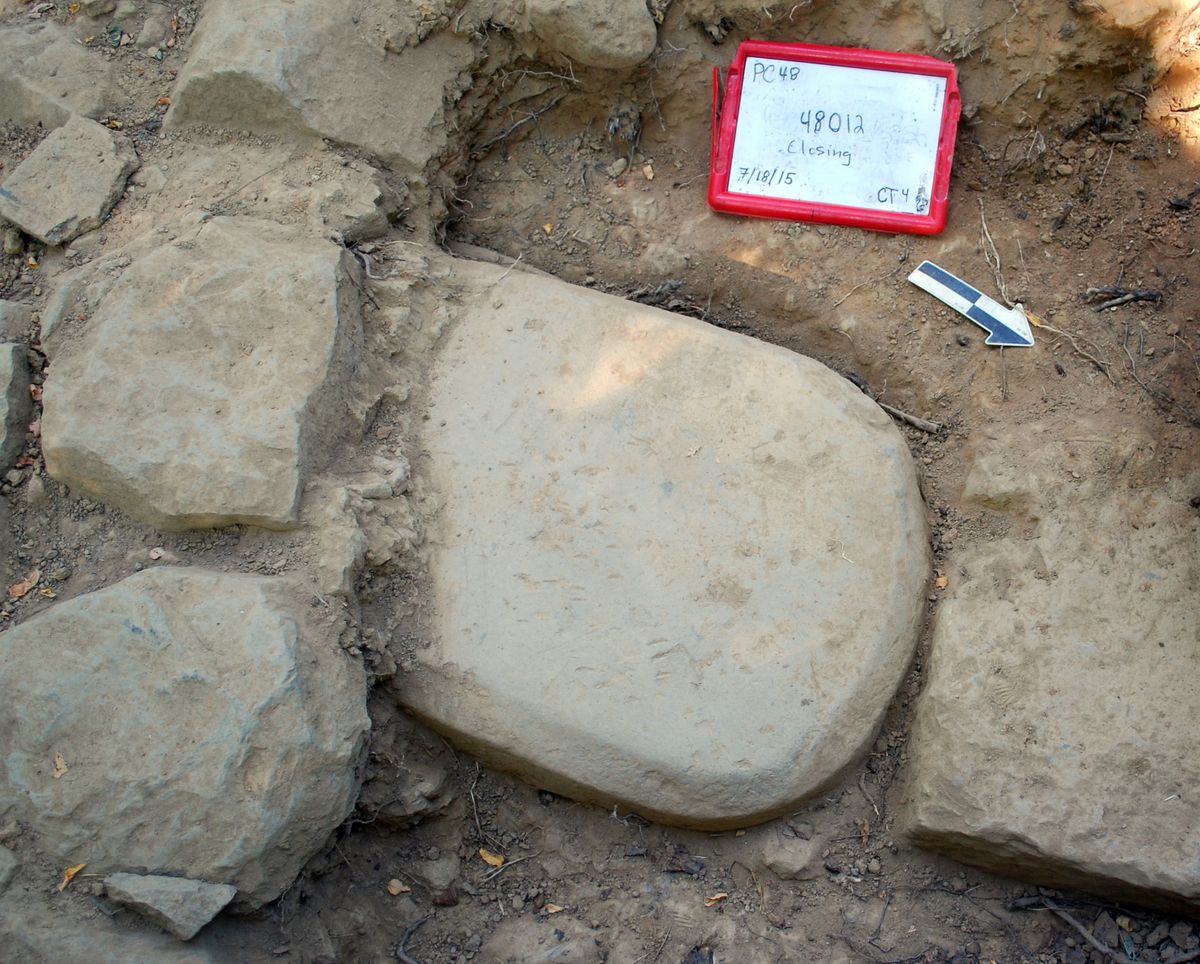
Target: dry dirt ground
{"type": "Point", "coordinates": [1079, 187]}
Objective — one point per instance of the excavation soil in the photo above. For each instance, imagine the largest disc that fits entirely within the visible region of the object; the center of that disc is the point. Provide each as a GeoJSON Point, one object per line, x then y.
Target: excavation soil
{"type": "Point", "coordinates": [1061, 183]}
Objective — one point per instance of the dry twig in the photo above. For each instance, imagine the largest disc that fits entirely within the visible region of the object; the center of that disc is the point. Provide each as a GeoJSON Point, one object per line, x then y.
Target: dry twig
{"type": "Point", "coordinates": [1121, 296]}
{"type": "Point", "coordinates": [923, 424]}
{"type": "Point", "coordinates": [509, 863]}
{"type": "Point", "coordinates": [862, 785]}
{"type": "Point", "coordinates": [661, 946]}
{"type": "Point", "coordinates": [401, 953]}
{"type": "Point", "coordinates": [483, 835]}
{"type": "Point", "coordinates": [1085, 933]}
{"type": "Point", "coordinates": [1133, 370]}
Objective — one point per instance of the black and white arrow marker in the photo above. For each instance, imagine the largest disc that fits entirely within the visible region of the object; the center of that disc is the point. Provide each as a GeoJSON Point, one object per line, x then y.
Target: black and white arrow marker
{"type": "Point", "coordinates": [1006, 327]}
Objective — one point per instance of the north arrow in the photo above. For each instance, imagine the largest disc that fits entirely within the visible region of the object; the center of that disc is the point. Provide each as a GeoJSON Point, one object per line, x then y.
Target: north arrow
{"type": "Point", "coordinates": [1006, 327]}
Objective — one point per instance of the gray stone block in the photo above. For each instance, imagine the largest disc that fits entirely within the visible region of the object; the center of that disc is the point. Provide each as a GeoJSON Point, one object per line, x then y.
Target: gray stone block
{"type": "Point", "coordinates": [69, 183]}
{"type": "Point", "coordinates": [210, 728]}
{"type": "Point", "coordinates": [675, 569]}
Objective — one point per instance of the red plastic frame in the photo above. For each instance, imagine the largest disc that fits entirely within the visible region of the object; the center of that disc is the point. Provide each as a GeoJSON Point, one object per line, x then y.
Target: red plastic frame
{"type": "Point", "coordinates": [724, 130]}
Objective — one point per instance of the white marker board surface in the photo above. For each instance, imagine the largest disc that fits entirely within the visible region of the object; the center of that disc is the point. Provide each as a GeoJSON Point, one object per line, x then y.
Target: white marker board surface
{"type": "Point", "coordinates": [838, 135]}
{"type": "Point", "coordinates": [834, 135]}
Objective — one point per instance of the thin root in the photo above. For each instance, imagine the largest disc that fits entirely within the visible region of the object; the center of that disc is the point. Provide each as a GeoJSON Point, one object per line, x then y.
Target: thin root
{"type": "Point", "coordinates": [991, 255]}
{"type": "Point", "coordinates": [1103, 366]}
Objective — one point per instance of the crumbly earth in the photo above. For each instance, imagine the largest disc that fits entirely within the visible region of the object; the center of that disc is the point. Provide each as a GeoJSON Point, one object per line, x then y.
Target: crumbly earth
{"type": "Point", "coordinates": [1076, 166]}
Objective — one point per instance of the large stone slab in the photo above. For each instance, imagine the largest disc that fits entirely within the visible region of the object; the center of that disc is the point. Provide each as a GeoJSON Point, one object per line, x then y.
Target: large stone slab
{"type": "Point", "coordinates": [676, 569]}
{"type": "Point", "coordinates": [190, 723]}
{"type": "Point", "coordinates": [265, 66]}
{"type": "Point", "coordinates": [47, 76]}
{"type": "Point", "coordinates": [69, 183]}
{"type": "Point", "coordinates": [245, 339]}
{"type": "Point", "coordinates": [1056, 737]}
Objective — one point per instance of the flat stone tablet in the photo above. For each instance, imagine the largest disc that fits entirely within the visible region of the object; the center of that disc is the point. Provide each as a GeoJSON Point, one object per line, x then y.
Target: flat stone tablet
{"type": "Point", "coordinates": [675, 569]}
{"type": "Point", "coordinates": [70, 182]}
{"type": "Point", "coordinates": [1056, 738]}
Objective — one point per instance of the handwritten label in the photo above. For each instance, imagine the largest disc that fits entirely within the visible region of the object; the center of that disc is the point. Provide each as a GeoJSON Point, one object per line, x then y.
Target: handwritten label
{"type": "Point", "coordinates": [837, 135]}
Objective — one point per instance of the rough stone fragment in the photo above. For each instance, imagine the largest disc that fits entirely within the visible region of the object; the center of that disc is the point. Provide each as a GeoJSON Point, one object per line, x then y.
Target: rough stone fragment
{"type": "Point", "coordinates": [8, 867]}
{"type": "Point", "coordinates": [791, 858]}
{"type": "Point", "coordinates": [1160, 933]}
{"type": "Point", "coordinates": [676, 569]}
{"type": "Point", "coordinates": [245, 343]}
{"type": "Point", "coordinates": [1055, 740]}
{"type": "Point", "coordinates": [210, 725]}
{"type": "Point", "coordinates": [1180, 934]}
{"type": "Point", "coordinates": [265, 66]}
{"type": "Point", "coordinates": [16, 405]}
{"type": "Point", "coordinates": [156, 28]}
{"type": "Point", "coordinates": [408, 775]}
{"type": "Point", "coordinates": [13, 243]}
{"type": "Point", "coordinates": [599, 33]}
{"type": "Point", "coordinates": [69, 183]}
{"type": "Point", "coordinates": [418, 790]}
{"type": "Point", "coordinates": [176, 904]}
{"type": "Point", "coordinates": [15, 319]}
{"type": "Point", "coordinates": [1105, 929]}
{"type": "Point", "coordinates": [352, 207]}
{"type": "Point", "coordinates": [46, 76]}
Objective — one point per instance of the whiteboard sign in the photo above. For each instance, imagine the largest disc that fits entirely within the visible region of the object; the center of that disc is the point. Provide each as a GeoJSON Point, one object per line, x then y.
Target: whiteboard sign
{"type": "Point", "coordinates": [835, 135]}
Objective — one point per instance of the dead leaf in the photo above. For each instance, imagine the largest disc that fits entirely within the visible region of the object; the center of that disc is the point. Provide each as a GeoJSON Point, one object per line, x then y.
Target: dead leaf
{"type": "Point", "coordinates": [552, 909]}
{"type": "Point", "coordinates": [31, 263]}
{"type": "Point", "coordinates": [21, 589]}
{"type": "Point", "coordinates": [73, 8]}
{"type": "Point", "coordinates": [35, 428]}
{"type": "Point", "coordinates": [164, 101]}
{"type": "Point", "coordinates": [491, 859]}
{"type": "Point", "coordinates": [865, 832]}
{"type": "Point", "coordinates": [35, 392]}
{"type": "Point", "coordinates": [60, 766]}
{"type": "Point", "coordinates": [69, 875]}
{"type": "Point", "coordinates": [548, 228]}
{"type": "Point", "coordinates": [648, 172]}
{"type": "Point", "coordinates": [941, 582]}
{"type": "Point", "coordinates": [114, 124]}
{"type": "Point", "coordinates": [396, 888]}
{"type": "Point", "coordinates": [48, 593]}
{"type": "Point", "coordinates": [715, 899]}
